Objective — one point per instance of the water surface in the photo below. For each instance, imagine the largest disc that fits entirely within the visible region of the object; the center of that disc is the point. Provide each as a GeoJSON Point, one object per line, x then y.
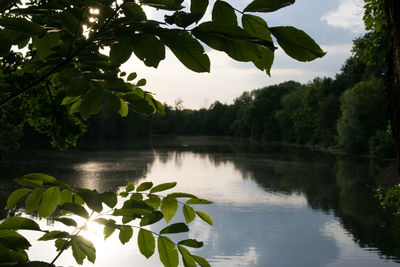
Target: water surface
{"type": "Point", "coordinates": [273, 205]}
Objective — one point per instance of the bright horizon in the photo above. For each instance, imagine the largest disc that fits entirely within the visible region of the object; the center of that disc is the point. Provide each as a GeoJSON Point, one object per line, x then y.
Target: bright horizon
{"type": "Point", "coordinates": [333, 25]}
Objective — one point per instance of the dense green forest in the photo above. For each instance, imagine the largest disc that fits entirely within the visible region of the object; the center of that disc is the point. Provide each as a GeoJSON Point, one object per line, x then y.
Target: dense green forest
{"type": "Point", "coordinates": [347, 112]}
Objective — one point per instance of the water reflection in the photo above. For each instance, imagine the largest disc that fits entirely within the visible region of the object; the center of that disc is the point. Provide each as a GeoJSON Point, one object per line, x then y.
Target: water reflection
{"type": "Point", "coordinates": [274, 205]}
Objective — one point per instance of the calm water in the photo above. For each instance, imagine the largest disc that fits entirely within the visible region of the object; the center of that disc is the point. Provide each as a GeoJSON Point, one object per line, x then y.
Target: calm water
{"type": "Point", "coordinates": [274, 205]}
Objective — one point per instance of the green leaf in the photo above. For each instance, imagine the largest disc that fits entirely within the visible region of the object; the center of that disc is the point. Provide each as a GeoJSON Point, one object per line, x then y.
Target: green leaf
{"type": "Point", "coordinates": [193, 243]}
{"type": "Point", "coordinates": [91, 103]}
{"type": "Point", "coordinates": [223, 13]}
{"type": "Point", "coordinates": [132, 76]}
{"type": "Point", "coordinates": [188, 213]}
{"type": "Point", "coordinates": [267, 6]}
{"type": "Point", "coordinates": [21, 25]}
{"type": "Point", "coordinates": [144, 186]}
{"type": "Point", "coordinates": [67, 221]}
{"type": "Point", "coordinates": [141, 82]}
{"type": "Point", "coordinates": [123, 109]}
{"type": "Point", "coordinates": [148, 49]}
{"type": "Point", "coordinates": [120, 52]}
{"type": "Point", "coordinates": [19, 223]}
{"type": "Point", "coordinates": [91, 198]}
{"type": "Point", "coordinates": [205, 217]}
{"type": "Point", "coordinates": [8, 256]}
{"type": "Point", "coordinates": [169, 207]}
{"type": "Point", "coordinates": [180, 194]}
{"type": "Point", "coordinates": [108, 230]}
{"type": "Point", "coordinates": [54, 235]}
{"type": "Point", "coordinates": [198, 201]}
{"type": "Point", "coordinates": [175, 228]}
{"type": "Point", "coordinates": [44, 44]}
{"type": "Point", "coordinates": [86, 247]}
{"type": "Point", "coordinates": [33, 201]}
{"type": "Point", "coordinates": [163, 4]}
{"type": "Point", "coordinates": [201, 261]}
{"type": "Point", "coordinates": [256, 27]}
{"type": "Point", "coordinates": [112, 104]}
{"type": "Point", "coordinates": [5, 45]}
{"type": "Point", "coordinates": [125, 233]}
{"type": "Point", "coordinates": [75, 209]}
{"type": "Point", "coordinates": [133, 10]}
{"type": "Point", "coordinates": [188, 260]}
{"type": "Point", "coordinates": [187, 49]}
{"type": "Point", "coordinates": [49, 201]}
{"type": "Point", "coordinates": [28, 182]}
{"type": "Point", "coordinates": [297, 44]}
{"type": "Point", "coordinates": [109, 198]}
{"type": "Point", "coordinates": [146, 243]}
{"type": "Point", "coordinates": [13, 240]}
{"type": "Point", "coordinates": [66, 197]}
{"type": "Point", "coordinates": [130, 187]}
{"type": "Point", "coordinates": [153, 201]}
{"type": "Point", "coordinates": [46, 179]}
{"type": "Point", "coordinates": [151, 218]}
{"type": "Point", "coordinates": [60, 244]}
{"type": "Point", "coordinates": [198, 7]}
{"type": "Point", "coordinates": [163, 187]}
{"type": "Point", "coordinates": [139, 102]}
{"type": "Point", "coordinates": [77, 252]}
{"type": "Point", "coordinates": [167, 252]}
{"type": "Point", "coordinates": [16, 196]}
{"type": "Point", "coordinates": [182, 19]}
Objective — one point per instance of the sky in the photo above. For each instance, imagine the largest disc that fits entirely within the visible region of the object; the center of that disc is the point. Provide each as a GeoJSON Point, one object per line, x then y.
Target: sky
{"type": "Point", "coordinates": [333, 24]}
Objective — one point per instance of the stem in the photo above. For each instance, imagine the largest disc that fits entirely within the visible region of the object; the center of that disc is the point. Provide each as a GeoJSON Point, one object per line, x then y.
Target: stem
{"type": "Point", "coordinates": [66, 245]}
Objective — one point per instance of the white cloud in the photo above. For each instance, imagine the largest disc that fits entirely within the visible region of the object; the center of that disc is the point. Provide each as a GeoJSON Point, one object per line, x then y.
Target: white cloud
{"type": "Point", "coordinates": [348, 16]}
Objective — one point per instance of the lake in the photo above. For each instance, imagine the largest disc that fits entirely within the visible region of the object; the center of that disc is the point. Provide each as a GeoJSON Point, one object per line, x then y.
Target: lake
{"type": "Point", "coordinates": [274, 205]}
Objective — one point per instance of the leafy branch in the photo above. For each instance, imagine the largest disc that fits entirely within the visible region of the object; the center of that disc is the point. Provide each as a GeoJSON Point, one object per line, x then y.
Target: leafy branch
{"type": "Point", "coordinates": [45, 195]}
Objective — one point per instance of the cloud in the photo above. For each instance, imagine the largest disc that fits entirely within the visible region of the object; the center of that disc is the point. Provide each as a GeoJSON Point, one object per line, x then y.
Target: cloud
{"type": "Point", "coordinates": [348, 15]}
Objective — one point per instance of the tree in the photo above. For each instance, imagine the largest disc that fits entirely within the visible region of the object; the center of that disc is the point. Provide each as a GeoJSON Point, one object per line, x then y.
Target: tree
{"type": "Point", "coordinates": [362, 115]}
{"type": "Point", "coordinates": [392, 12]}
{"type": "Point", "coordinates": [66, 42]}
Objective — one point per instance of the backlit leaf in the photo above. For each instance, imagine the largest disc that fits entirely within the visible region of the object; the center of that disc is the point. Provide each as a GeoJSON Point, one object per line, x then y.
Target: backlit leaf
{"type": "Point", "coordinates": [75, 209]}
{"type": "Point", "coordinates": [146, 243]}
{"type": "Point", "coordinates": [91, 103]}
{"type": "Point", "coordinates": [167, 252]}
{"type": "Point", "coordinates": [188, 213]}
{"type": "Point", "coordinates": [169, 207]}
{"type": "Point", "coordinates": [151, 218]}
{"type": "Point", "coordinates": [193, 243]}
{"type": "Point", "coordinates": [125, 233]}
{"type": "Point", "coordinates": [187, 49]}
{"type": "Point", "coordinates": [67, 221]}
{"type": "Point", "coordinates": [21, 25]}
{"type": "Point", "coordinates": [267, 6]}
{"type": "Point", "coordinates": [175, 228]}
{"type": "Point", "coordinates": [33, 201]}
{"type": "Point", "coordinates": [54, 235]}
{"type": "Point", "coordinates": [198, 201]}
{"type": "Point", "coordinates": [109, 198]}
{"type": "Point", "coordinates": [144, 186]}
{"type": "Point", "coordinates": [201, 261]}
{"type": "Point", "coordinates": [49, 201]}
{"type": "Point", "coordinates": [19, 223]}
{"type": "Point", "coordinates": [297, 44]}
{"type": "Point", "coordinates": [13, 240]}
{"type": "Point", "coordinates": [153, 201]}
{"type": "Point", "coordinates": [120, 52]}
{"type": "Point", "coordinates": [188, 260]}
{"type": "Point", "coordinates": [223, 13]}
{"type": "Point", "coordinates": [163, 187]}
{"type": "Point", "coordinates": [16, 196]}
{"type": "Point", "coordinates": [91, 198]}
{"type": "Point", "coordinates": [205, 217]}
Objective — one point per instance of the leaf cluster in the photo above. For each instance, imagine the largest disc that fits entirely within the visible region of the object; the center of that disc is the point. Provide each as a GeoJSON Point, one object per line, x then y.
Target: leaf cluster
{"type": "Point", "coordinates": [45, 195]}
{"type": "Point", "coordinates": [67, 41]}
